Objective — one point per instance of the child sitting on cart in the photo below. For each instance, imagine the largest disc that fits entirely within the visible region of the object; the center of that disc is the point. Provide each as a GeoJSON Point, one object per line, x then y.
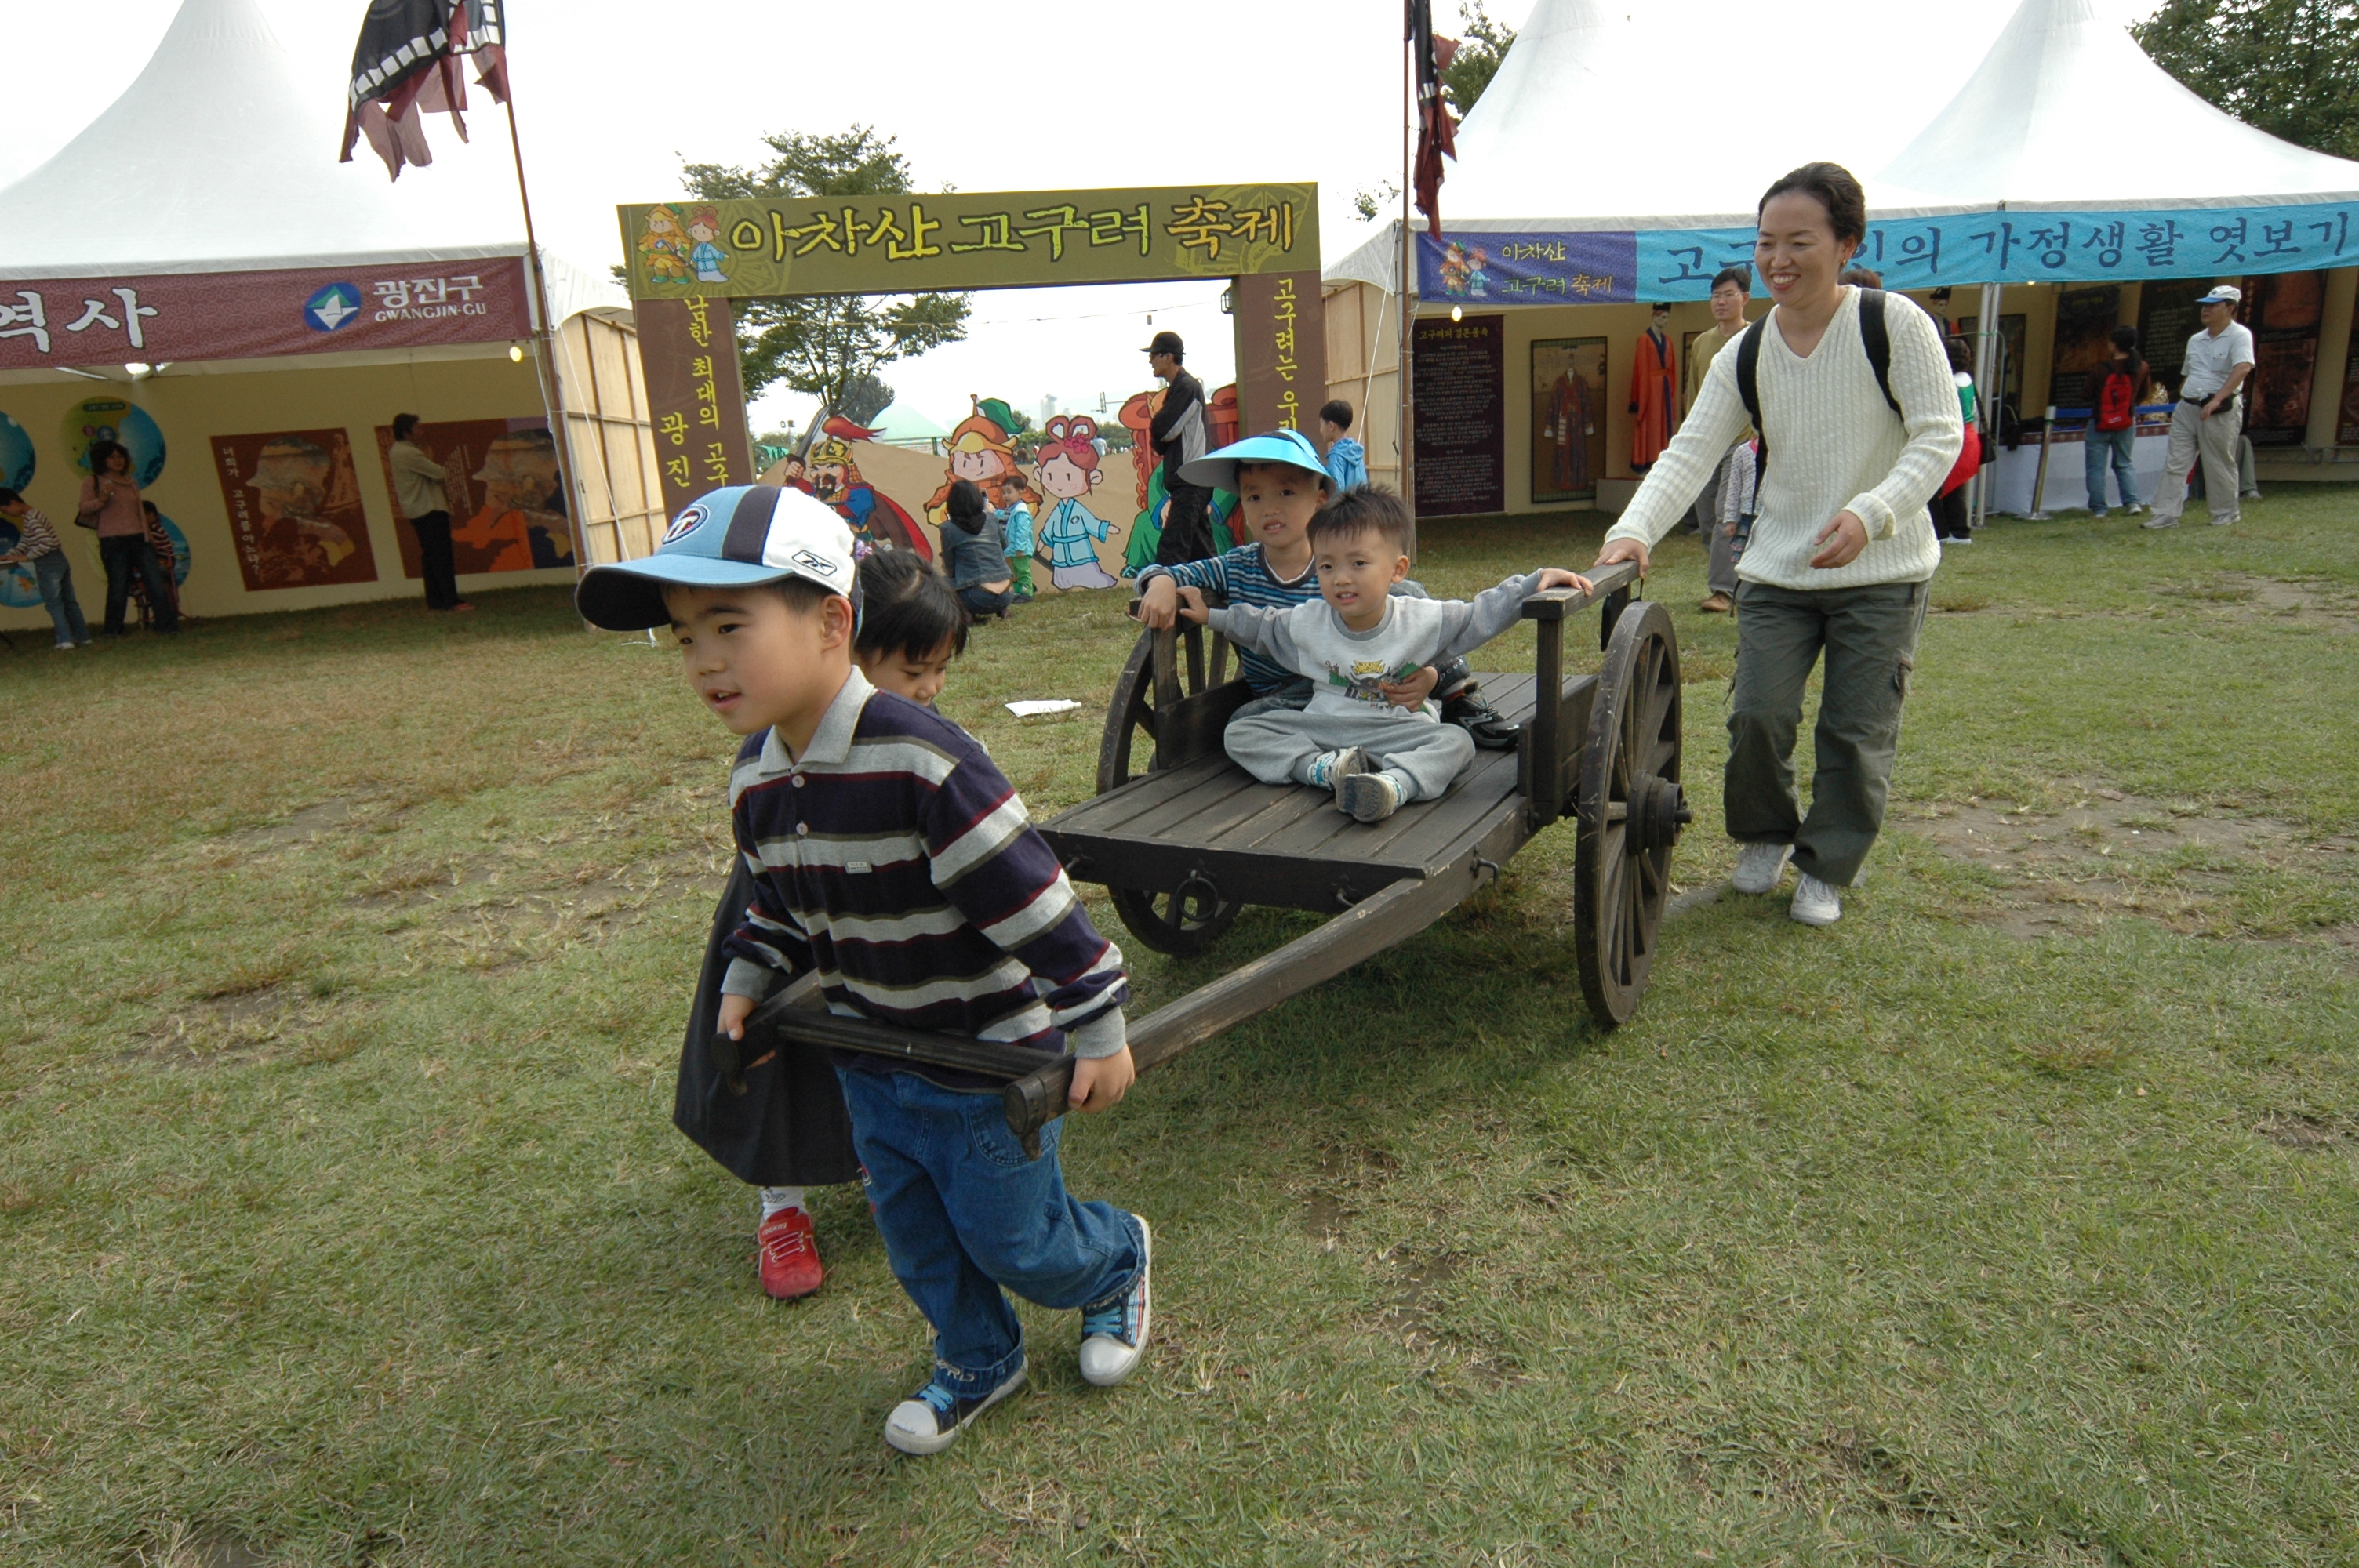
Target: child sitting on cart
{"type": "Point", "coordinates": [1350, 644]}
{"type": "Point", "coordinates": [887, 853]}
{"type": "Point", "coordinates": [1280, 480]}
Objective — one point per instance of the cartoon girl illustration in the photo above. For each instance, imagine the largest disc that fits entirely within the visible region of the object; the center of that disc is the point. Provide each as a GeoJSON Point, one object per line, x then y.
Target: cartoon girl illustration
{"type": "Point", "coordinates": [664, 247]}
{"type": "Point", "coordinates": [704, 227]}
{"type": "Point", "coordinates": [1068, 470]}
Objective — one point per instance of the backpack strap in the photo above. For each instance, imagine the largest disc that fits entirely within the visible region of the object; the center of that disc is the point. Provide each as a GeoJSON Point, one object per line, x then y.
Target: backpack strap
{"type": "Point", "coordinates": [1877, 334]}
{"type": "Point", "coordinates": [1748, 386]}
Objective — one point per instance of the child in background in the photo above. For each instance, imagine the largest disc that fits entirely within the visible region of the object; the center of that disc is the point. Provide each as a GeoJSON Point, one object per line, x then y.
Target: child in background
{"type": "Point", "coordinates": [911, 625]}
{"type": "Point", "coordinates": [1281, 482]}
{"type": "Point", "coordinates": [1347, 460]}
{"type": "Point", "coordinates": [1352, 642]}
{"type": "Point", "coordinates": [1016, 538]}
{"type": "Point", "coordinates": [890, 856]}
{"type": "Point", "coordinates": [37, 547]}
{"type": "Point", "coordinates": [168, 555]}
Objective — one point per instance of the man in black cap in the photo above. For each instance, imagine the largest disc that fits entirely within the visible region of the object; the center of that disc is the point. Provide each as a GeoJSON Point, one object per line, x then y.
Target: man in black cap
{"type": "Point", "coordinates": [1181, 434]}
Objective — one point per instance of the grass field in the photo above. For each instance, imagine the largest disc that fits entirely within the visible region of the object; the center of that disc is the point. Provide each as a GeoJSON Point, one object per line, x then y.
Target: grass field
{"type": "Point", "coordinates": [2015, 1220]}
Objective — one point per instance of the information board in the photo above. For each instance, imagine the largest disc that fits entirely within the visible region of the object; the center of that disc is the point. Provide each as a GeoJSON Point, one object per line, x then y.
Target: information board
{"type": "Point", "coordinates": [1457, 372]}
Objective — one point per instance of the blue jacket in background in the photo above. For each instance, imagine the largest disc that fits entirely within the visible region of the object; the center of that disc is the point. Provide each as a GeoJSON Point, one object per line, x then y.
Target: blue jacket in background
{"type": "Point", "coordinates": [1347, 464]}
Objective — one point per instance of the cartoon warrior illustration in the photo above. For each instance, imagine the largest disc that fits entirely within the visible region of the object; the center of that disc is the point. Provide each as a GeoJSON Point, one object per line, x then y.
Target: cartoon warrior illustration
{"type": "Point", "coordinates": [1463, 272]}
{"type": "Point", "coordinates": [1068, 470]}
{"type": "Point", "coordinates": [704, 227]}
{"type": "Point", "coordinates": [877, 521]}
{"type": "Point", "coordinates": [1147, 529]}
{"type": "Point", "coordinates": [664, 247]}
{"type": "Point", "coordinates": [982, 449]}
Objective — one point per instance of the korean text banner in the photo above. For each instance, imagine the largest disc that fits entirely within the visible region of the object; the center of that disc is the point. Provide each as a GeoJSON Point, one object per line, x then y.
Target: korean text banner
{"type": "Point", "coordinates": [2033, 248]}
{"type": "Point", "coordinates": [899, 243]}
{"type": "Point", "coordinates": [1507, 268]}
{"type": "Point", "coordinates": [52, 322]}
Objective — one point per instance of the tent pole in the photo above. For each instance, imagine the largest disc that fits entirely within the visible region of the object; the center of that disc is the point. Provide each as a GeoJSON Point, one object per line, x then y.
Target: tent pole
{"type": "Point", "coordinates": [1985, 409]}
{"type": "Point", "coordinates": [553, 387]}
{"type": "Point", "coordinates": [1401, 276]}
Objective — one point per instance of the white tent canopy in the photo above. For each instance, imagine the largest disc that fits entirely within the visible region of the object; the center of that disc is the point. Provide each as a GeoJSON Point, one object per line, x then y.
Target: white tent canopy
{"type": "Point", "coordinates": [2067, 112]}
{"type": "Point", "coordinates": [221, 157]}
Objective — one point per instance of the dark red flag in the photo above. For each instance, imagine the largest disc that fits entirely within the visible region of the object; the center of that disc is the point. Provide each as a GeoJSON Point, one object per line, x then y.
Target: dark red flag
{"type": "Point", "coordinates": [1437, 128]}
{"type": "Point", "coordinates": [406, 63]}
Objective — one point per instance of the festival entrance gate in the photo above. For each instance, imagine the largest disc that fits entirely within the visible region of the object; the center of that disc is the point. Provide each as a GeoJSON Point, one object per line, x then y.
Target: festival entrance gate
{"type": "Point", "coordinates": [688, 259]}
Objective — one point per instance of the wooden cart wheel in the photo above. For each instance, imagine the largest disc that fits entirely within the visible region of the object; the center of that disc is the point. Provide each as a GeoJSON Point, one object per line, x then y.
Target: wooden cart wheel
{"type": "Point", "coordinates": [1183, 921]}
{"type": "Point", "coordinates": [1630, 811]}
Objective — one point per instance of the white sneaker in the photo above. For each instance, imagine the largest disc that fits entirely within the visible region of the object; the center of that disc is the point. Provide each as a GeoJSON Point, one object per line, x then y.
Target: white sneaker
{"type": "Point", "coordinates": [1816, 903]}
{"type": "Point", "coordinates": [932, 1419]}
{"type": "Point", "coordinates": [1760, 866]}
{"type": "Point", "coordinates": [1368, 797]}
{"type": "Point", "coordinates": [1114, 1338]}
{"type": "Point", "coordinates": [2159, 523]}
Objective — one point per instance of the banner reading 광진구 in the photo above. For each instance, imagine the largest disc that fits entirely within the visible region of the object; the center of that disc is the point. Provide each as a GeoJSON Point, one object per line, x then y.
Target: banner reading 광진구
{"type": "Point", "coordinates": [903, 243]}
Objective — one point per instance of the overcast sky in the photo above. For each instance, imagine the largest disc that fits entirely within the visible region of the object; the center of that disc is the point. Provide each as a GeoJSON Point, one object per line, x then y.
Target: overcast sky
{"type": "Point", "coordinates": [612, 96]}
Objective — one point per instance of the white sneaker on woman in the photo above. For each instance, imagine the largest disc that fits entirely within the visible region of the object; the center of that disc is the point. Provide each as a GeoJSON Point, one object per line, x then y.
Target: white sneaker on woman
{"type": "Point", "coordinates": [1760, 866]}
{"type": "Point", "coordinates": [1816, 903]}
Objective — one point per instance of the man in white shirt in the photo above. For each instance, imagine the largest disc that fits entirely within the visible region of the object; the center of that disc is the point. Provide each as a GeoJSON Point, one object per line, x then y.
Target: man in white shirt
{"type": "Point", "coordinates": [422, 486]}
{"type": "Point", "coordinates": [2208, 418]}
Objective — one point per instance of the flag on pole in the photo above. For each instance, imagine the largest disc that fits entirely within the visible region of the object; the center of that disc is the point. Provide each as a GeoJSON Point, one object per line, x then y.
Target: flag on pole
{"type": "Point", "coordinates": [1437, 128]}
{"type": "Point", "coordinates": [406, 63]}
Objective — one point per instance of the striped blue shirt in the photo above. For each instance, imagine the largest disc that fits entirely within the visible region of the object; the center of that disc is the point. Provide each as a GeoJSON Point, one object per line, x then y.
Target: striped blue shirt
{"type": "Point", "coordinates": [895, 857]}
{"type": "Point", "coordinates": [1246, 579]}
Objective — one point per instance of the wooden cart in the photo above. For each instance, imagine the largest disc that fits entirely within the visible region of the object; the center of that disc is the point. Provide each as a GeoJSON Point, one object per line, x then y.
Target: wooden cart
{"type": "Point", "coordinates": [1184, 840]}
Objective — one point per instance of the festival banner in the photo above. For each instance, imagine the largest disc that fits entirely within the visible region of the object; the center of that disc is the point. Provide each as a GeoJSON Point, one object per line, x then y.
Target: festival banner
{"type": "Point", "coordinates": [1457, 374]}
{"type": "Point", "coordinates": [688, 357]}
{"type": "Point", "coordinates": [1511, 269]}
{"type": "Point", "coordinates": [903, 243]}
{"type": "Point", "coordinates": [47, 323]}
{"type": "Point", "coordinates": [295, 512]}
{"type": "Point", "coordinates": [503, 488]}
{"type": "Point", "coordinates": [1282, 387]}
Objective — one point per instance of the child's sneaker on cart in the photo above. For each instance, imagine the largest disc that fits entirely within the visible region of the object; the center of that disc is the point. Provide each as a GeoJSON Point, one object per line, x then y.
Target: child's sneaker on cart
{"type": "Point", "coordinates": [1113, 1336]}
{"type": "Point", "coordinates": [932, 1419]}
{"type": "Point", "coordinates": [790, 1266]}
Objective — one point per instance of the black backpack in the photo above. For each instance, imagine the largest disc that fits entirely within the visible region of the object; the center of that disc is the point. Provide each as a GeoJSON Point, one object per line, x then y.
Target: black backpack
{"type": "Point", "coordinates": [1874, 334]}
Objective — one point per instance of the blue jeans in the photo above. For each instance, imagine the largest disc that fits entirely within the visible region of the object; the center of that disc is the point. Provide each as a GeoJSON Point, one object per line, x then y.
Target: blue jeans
{"type": "Point", "coordinates": [56, 580]}
{"type": "Point", "coordinates": [2114, 447]}
{"type": "Point", "coordinates": [963, 1213]}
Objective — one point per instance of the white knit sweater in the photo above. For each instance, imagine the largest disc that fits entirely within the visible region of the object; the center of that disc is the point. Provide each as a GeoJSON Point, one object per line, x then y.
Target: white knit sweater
{"type": "Point", "coordinates": [1834, 445]}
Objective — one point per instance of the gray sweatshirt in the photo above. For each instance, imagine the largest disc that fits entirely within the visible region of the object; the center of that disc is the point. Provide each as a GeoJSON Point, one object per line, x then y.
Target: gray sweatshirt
{"type": "Point", "coordinates": [1345, 666]}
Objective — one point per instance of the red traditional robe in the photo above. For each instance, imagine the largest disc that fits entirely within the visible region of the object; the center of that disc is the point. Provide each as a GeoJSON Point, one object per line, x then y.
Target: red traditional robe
{"type": "Point", "coordinates": [1568, 431]}
{"type": "Point", "coordinates": [1654, 395]}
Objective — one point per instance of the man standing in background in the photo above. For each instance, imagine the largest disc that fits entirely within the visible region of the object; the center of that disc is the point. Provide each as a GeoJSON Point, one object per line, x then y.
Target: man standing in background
{"type": "Point", "coordinates": [1730, 290]}
{"type": "Point", "coordinates": [2207, 420]}
{"type": "Point", "coordinates": [1179, 435]}
{"type": "Point", "coordinates": [420, 484]}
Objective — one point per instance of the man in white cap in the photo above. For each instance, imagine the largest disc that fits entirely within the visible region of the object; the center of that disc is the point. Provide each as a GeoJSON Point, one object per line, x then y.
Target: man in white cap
{"type": "Point", "coordinates": [2208, 418]}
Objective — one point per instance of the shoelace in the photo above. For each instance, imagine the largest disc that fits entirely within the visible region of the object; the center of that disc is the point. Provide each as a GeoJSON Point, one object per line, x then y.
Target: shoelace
{"type": "Point", "coordinates": [1112, 1321]}
{"type": "Point", "coordinates": [942, 1399]}
{"type": "Point", "coordinates": [785, 1242]}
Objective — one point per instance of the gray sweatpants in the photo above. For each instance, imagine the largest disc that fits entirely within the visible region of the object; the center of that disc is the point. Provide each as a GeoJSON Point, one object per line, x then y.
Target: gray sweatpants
{"type": "Point", "coordinates": [1277, 745]}
{"type": "Point", "coordinates": [1869, 635]}
{"type": "Point", "coordinates": [1720, 571]}
{"type": "Point", "coordinates": [2212, 442]}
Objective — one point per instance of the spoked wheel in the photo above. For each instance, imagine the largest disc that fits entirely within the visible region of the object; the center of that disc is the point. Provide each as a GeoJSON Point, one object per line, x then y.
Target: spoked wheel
{"type": "Point", "coordinates": [1630, 811]}
{"type": "Point", "coordinates": [1185, 920]}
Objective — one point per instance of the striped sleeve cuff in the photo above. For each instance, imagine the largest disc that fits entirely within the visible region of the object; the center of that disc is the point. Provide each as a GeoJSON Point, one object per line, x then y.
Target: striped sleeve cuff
{"type": "Point", "coordinates": [1105, 1036]}
{"type": "Point", "coordinates": [749, 978]}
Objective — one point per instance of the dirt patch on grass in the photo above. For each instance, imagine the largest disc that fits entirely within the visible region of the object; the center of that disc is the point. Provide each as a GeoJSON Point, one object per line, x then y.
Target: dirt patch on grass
{"type": "Point", "coordinates": [2057, 871]}
{"type": "Point", "coordinates": [2294, 1129]}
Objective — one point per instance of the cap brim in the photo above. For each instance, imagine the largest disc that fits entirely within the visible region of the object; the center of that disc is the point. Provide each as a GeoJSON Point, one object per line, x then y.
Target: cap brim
{"type": "Point", "coordinates": [1218, 471]}
{"type": "Point", "coordinates": [629, 595]}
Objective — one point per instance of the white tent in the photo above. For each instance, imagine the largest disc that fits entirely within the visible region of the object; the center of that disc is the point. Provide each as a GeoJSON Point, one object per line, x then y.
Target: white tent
{"type": "Point", "coordinates": [2067, 112]}
{"type": "Point", "coordinates": [220, 158]}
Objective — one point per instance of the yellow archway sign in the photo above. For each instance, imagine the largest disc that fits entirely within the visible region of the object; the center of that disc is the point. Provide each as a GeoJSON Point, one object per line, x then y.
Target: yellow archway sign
{"type": "Point", "coordinates": [688, 258]}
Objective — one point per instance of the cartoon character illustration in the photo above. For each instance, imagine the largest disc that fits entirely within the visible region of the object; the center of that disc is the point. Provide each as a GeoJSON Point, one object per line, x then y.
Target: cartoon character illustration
{"type": "Point", "coordinates": [522, 524]}
{"type": "Point", "coordinates": [982, 449]}
{"type": "Point", "coordinates": [1363, 681]}
{"type": "Point", "coordinates": [1069, 470]}
{"type": "Point", "coordinates": [1464, 273]}
{"type": "Point", "coordinates": [877, 521]}
{"type": "Point", "coordinates": [1147, 529]}
{"type": "Point", "coordinates": [704, 227]}
{"type": "Point", "coordinates": [664, 247]}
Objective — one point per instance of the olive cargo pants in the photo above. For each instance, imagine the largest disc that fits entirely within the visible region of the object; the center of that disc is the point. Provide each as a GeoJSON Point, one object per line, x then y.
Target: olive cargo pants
{"type": "Point", "coordinates": [1869, 635]}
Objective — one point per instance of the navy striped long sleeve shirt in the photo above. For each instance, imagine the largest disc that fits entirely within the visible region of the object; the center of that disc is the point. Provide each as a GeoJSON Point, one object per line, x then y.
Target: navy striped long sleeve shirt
{"type": "Point", "coordinates": [895, 857]}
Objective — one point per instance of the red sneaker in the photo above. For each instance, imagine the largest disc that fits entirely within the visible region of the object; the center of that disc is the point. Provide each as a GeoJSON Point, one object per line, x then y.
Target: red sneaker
{"type": "Point", "coordinates": [790, 1266]}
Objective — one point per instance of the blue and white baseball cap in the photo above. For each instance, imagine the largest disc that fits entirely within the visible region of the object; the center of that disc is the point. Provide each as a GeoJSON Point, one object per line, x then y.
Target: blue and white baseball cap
{"type": "Point", "coordinates": [1219, 469]}
{"type": "Point", "coordinates": [734, 537]}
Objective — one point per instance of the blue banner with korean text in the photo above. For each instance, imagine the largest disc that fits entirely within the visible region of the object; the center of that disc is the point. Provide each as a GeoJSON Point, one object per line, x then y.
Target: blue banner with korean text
{"type": "Point", "coordinates": [1530, 269]}
{"type": "Point", "coordinates": [2031, 247]}
{"type": "Point", "coordinates": [1605, 268]}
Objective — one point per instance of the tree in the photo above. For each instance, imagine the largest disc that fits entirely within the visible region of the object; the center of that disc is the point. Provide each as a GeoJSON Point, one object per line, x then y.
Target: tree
{"type": "Point", "coordinates": [2289, 67]}
{"type": "Point", "coordinates": [864, 398]}
{"type": "Point", "coordinates": [1480, 55]}
{"type": "Point", "coordinates": [824, 346]}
